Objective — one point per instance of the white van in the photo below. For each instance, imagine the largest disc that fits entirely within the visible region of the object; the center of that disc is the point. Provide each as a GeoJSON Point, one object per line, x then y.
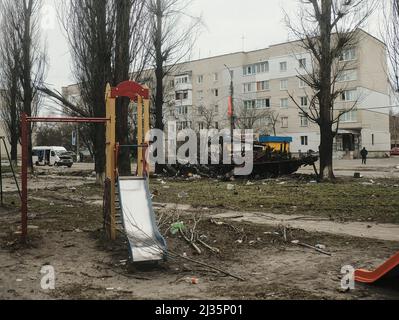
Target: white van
{"type": "Point", "coordinates": [52, 156]}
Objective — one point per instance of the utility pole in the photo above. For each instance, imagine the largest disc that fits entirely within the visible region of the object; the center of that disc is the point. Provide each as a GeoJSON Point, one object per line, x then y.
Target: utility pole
{"type": "Point", "coordinates": [231, 110]}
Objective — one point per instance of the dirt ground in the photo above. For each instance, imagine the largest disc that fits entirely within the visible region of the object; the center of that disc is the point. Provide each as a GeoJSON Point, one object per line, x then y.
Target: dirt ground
{"type": "Point", "coordinates": [66, 232]}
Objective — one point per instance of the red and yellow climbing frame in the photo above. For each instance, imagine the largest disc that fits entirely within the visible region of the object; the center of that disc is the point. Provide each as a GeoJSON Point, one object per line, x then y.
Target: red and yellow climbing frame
{"type": "Point", "coordinates": [136, 93]}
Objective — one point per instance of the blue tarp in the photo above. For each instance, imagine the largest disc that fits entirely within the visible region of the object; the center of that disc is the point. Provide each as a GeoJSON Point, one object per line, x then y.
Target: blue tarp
{"type": "Point", "coordinates": [270, 139]}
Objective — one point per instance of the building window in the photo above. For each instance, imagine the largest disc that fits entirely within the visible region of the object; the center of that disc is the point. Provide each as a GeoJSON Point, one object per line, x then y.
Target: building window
{"type": "Point", "coordinates": [348, 55]}
{"type": "Point", "coordinates": [349, 95]}
{"type": "Point", "coordinates": [284, 84]}
{"type": "Point", "coordinates": [284, 122]}
{"type": "Point", "coordinates": [304, 121]}
{"type": "Point", "coordinates": [249, 104]}
{"type": "Point", "coordinates": [200, 95]}
{"type": "Point", "coordinates": [304, 141]}
{"type": "Point", "coordinates": [249, 87]}
{"type": "Point", "coordinates": [263, 85]}
{"type": "Point", "coordinates": [347, 75]}
{"type": "Point", "coordinates": [182, 110]}
{"type": "Point", "coordinates": [350, 116]}
{"type": "Point", "coordinates": [217, 125]}
{"type": "Point", "coordinates": [183, 125]}
{"type": "Point", "coordinates": [302, 63]}
{"type": "Point", "coordinates": [200, 79]}
{"type": "Point", "coordinates": [372, 139]}
{"type": "Point", "coordinates": [201, 126]}
{"type": "Point", "coordinates": [263, 103]}
{"type": "Point", "coordinates": [249, 70]}
{"type": "Point", "coordinates": [182, 80]}
{"type": "Point", "coordinates": [284, 103]}
{"type": "Point", "coordinates": [215, 76]}
{"type": "Point", "coordinates": [304, 101]}
{"type": "Point", "coordinates": [171, 83]}
{"type": "Point", "coordinates": [283, 66]}
{"type": "Point", "coordinates": [216, 109]}
{"type": "Point", "coordinates": [215, 92]}
{"type": "Point", "coordinates": [182, 95]}
{"type": "Point", "coordinates": [262, 67]}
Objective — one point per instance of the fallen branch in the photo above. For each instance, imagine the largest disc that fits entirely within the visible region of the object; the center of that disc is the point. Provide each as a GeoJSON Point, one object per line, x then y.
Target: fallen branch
{"type": "Point", "coordinates": [214, 250]}
{"type": "Point", "coordinates": [312, 247]}
{"type": "Point", "coordinates": [95, 277]}
{"type": "Point", "coordinates": [190, 242]}
{"type": "Point", "coordinates": [212, 267]}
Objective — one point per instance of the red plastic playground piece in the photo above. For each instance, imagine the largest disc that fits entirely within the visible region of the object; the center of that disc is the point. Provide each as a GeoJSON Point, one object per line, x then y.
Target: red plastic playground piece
{"type": "Point", "coordinates": [389, 266]}
{"type": "Point", "coordinates": [130, 89]}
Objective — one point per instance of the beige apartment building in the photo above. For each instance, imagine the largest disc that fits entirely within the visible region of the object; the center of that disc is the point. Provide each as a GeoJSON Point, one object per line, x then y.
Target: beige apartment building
{"type": "Point", "coordinates": [263, 81]}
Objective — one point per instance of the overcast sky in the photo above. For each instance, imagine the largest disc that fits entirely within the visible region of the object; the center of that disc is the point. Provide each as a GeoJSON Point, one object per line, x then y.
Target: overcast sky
{"type": "Point", "coordinates": [230, 26]}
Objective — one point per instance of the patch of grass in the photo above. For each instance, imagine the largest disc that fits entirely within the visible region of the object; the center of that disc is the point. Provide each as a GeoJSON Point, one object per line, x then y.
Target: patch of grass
{"type": "Point", "coordinates": [346, 200]}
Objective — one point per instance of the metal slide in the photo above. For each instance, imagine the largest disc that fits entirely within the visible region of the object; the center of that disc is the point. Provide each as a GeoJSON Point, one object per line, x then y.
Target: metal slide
{"type": "Point", "coordinates": [146, 242]}
{"type": "Point", "coordinates": [388, 269]}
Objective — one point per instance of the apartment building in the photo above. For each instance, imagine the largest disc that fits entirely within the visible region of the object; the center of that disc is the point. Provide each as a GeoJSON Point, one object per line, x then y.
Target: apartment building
{"type": "Point", "coordinates": [264, 82]}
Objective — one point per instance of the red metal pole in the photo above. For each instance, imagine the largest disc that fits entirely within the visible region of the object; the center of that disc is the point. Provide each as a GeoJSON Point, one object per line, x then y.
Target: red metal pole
{"type": "Point", "coordinates": [24, 177]}
{"type": "Point", "coordinates": [67, 120]}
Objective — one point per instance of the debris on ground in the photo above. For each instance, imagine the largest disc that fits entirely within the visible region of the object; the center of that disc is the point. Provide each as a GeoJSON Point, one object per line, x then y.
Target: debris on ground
{"type": "Point", "coordinates": [182, 195]}
{"type": "Point", "coordinates": [177, 227]}
{"type": "Point", "coordinates": [297, 242]}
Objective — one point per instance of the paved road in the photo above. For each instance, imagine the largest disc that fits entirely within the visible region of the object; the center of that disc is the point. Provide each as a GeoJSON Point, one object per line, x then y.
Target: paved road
{"type": "Point", "coordinates": [375, 168]}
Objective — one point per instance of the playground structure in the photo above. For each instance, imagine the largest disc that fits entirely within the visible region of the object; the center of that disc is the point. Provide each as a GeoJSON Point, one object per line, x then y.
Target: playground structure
{"type": "Point", "coordinates": [146, 243]}
{"type": "Point", "coordinates": [389, 269]}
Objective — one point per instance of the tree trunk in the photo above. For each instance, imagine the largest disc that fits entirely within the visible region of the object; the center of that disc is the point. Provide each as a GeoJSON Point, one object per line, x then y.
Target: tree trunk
{"type": "Point", "coordinates": [122, 63]}
{"type": "Point", "coordinates": [14, 128]}
{"type": "Point", "coordinates": [99, 152]}
{"type": "Point", "coordinates": [325, 95]}
{"type": "Point", "coordinates": [326, 153]}
{"type": "Point", "coordinates": [101, 76]}
{"type": "Point", "coordinates": [159, 73]}
{"type": "Point", "coordinates": [27, 69]}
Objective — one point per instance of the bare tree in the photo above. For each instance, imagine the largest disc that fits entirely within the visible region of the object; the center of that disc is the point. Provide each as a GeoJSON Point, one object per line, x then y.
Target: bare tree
{"type": "Point", "coordinates": [90, 30]}
{"type": "Point", "coordinates": [172, 33]}
{"type": "Point", "coordinates": [26, 60]}
{"type": "Point", "coordinates": [391, 37]}
{"type": "Point", "coordinates": [131, 57]}
{"type": "Point", "coordinates": [33, 63]}
{"type": "Point", "coordinates": [249, 116]}
{"type": "Point", "coordinates": [110, 46]}
{"type": "Point", "coordinates": [327, 29]}
{"type": "Point", "coordinates": [207, 115]}
{"type": "Point", "coordinates": [274, 120]}
{"type": "Point", "coordinates": [10, 95]}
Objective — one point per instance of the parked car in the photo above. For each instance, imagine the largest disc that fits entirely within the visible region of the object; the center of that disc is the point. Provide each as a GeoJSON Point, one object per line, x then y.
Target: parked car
{"type": "Point", "coordinates": [395, 151]}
